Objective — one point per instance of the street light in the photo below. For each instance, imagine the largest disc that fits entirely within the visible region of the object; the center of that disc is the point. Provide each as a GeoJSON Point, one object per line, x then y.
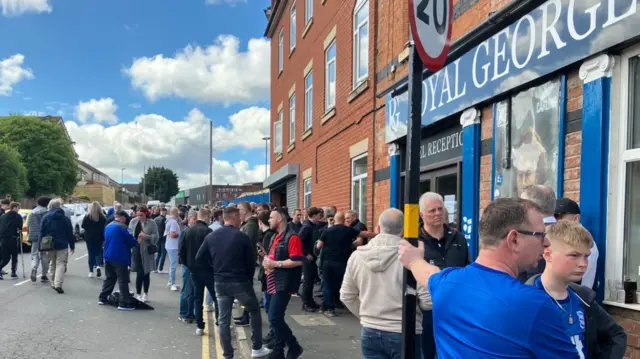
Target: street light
{"type": "Point", "coordinates": [266, 155]}
{"type": "Point", "coordinates": [122, 185]}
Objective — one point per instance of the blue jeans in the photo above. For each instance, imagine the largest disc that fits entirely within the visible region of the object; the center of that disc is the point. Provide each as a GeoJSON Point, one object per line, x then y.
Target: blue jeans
{"type": "Point", "coordinates": [283, 336]}
{"type": "Point", "coordinates": [161, 255]}
{"type": "Point", "coordinates": [378, 344]}
{"type": "Point", "coordinates": [94, 254]}
{"type": "Point", "coordinates": [244, 293]}
{"type": "Point", "coordinates": [187, 309]}
{"type": "Point", "coordinates": [208, 299]}
{"type": "Point", "coordinates": [173, 265]}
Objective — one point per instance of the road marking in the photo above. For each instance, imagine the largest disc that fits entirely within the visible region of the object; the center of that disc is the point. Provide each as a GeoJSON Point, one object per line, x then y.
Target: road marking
{"type": "Point", "coordinates": [23, 282]}
{"type": "Point", "coordinates": [205, 338]}
{"type": "Point", "coordinates": [80, 257]}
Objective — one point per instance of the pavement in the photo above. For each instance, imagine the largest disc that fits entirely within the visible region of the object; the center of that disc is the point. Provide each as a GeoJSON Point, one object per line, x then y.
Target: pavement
{"type": "Point", "coordinates": [38, 323]}
{"type": "Point", "coordinates": [321, 337]}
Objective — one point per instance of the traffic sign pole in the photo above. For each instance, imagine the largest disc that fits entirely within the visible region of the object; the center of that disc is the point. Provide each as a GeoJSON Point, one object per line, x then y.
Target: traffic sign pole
{"type": "Point", "coordinates": [412, 196]}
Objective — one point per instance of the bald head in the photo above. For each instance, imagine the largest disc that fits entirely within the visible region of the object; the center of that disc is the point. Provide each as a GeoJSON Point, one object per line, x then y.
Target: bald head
{"type": "Point", "coordinates": [338, 218]}
{"type": "Point", "coordinates": [391, 221]}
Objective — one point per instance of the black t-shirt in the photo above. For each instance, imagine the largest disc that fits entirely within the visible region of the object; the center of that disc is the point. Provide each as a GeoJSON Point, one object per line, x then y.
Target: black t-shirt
{"type": "Point", "coordinates": [338, 241]}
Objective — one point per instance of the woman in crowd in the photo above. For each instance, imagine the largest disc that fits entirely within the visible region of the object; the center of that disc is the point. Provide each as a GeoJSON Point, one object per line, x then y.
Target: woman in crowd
{"type": "Point", "coordinates": [143, 256]}
{"type": "Point", "coordinates": [172, 232]}
{"type": "Point", "coordinates": [93, 224]}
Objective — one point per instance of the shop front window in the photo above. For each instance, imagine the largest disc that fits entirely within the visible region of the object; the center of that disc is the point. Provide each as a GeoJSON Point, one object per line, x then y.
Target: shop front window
{"type": "Point", "coordinates": [527, 130]}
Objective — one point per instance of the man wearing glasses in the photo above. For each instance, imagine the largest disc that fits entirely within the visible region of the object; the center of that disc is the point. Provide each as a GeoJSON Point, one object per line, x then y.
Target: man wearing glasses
{"type": "Point", "coordinates": [482, 310]}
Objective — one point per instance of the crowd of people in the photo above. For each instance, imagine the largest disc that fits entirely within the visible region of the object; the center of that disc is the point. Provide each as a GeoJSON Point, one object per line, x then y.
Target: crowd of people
{"type": "Point", "coordinates": [536, 266]}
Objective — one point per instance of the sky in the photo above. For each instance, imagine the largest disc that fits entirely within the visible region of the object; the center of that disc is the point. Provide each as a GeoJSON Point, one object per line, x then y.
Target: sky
{"type": "Point", "coordinates": [138, 82]}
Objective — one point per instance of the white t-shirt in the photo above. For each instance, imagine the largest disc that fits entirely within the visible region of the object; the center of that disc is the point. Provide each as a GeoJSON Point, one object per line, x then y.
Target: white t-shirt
{"type": "Point", "coordinates": [172, 226]}
{"type": "Point", "coordinates": [215, 225]}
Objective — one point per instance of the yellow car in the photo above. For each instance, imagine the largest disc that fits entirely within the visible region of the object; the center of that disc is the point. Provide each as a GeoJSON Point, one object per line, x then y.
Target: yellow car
{"type": "Point", "coordinates": [25, 213]}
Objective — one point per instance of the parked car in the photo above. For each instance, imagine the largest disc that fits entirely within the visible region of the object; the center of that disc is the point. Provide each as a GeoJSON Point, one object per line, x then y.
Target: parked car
{"type": "Point", "coordinates": [25, 213]}
{"type": "Point", "coordinates": [76, 213]}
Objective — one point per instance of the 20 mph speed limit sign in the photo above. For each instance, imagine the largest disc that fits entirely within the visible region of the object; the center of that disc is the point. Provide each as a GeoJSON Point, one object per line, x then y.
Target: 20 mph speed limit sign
{"type": "Point", "coordinates": [431, 22]}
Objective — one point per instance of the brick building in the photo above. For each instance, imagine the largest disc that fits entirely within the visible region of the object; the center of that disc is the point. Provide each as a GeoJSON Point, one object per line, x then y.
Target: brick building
{"type": "Point", "coordinates": [322, 104]}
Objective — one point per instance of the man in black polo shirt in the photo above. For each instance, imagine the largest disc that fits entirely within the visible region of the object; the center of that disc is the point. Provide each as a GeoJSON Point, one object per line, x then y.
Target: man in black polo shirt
{"type": "Point", "coordinates": [308, 235]}
{"type": "Point", "coordinates": [443, 247]}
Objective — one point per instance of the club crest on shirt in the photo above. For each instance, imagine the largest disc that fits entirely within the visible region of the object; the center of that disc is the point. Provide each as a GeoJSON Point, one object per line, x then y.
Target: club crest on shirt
{"type": "Point", "coordinates": [581, 319]}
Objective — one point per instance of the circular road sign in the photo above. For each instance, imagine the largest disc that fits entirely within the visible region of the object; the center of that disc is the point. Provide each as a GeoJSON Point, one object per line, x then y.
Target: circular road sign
{"type": "Point", "coordinates": [431, 22]}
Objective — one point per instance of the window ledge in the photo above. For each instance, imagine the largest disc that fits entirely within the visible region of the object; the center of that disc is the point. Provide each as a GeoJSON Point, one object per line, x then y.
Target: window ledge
{"type": "Point", "coordinates": [327, 116]}
{"type": "Point", "coordinates": [278, 156]}
{"type": "Point", "coordinates": [324, 1]}
{"type": "Point", "coordinates": [307, 27]}
{"type": "Point", "coordinates": [291, 147]}
{"type": "Point", "coordinates": [622, 305]}
{"type": "Point", "coordinates": [280, 73]}
{"type": "Point", "coordinates": [306, 134]}
{"type": "Point", "coordinates": [291, 50]}
{"type": "Point", "coordinates": [364, 85]}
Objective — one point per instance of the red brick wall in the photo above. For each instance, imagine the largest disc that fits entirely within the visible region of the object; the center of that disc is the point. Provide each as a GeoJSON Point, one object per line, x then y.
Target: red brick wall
{"type": "Point", "coordinates": [486, 133]}
{"type": "Point", "coordinates": [573, 141]}
{"type": "Point", "coordinates": [353, 121]}
{"type": "Point", "coordinates": [630, 321]}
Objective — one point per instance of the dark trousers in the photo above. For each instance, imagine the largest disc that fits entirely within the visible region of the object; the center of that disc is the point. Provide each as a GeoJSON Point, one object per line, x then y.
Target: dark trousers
{"type": "Point", "coordinates": [197, 287]}
{"type": "Point", "coordinates": [162, 254]}
{"type": "Point", "coordinates": [206, 278]}
{"type": "Point", "coordinates": [115, 272]}
{"type": "Point", "coordinates": [141, 278]}
{"type": "Point", "coordinates": [94, 254]}
{"type": "Point", "coordinates": [244, 293]}
{"type": "Point", "coordinates": [332, 272]}
{"type": "Point", "coordinates": [428, 340]}
{"type": "Point", "coordinates": [283, 336]}
{"type": "Point", "coordinates": [9, 254]}
{"type": "Point", "coordinates": [310, 272]}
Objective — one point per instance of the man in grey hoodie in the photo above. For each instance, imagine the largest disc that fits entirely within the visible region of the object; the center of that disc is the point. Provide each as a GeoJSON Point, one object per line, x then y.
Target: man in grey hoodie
{"type": "Point", "coordinates": [33, 229]}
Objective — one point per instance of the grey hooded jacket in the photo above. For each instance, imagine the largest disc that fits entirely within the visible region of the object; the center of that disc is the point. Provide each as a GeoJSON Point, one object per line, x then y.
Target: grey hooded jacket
{"type": "Point", "coordinates": [34, 222]}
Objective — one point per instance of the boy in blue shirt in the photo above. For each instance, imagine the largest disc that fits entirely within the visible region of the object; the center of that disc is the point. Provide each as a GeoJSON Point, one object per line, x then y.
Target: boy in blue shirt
{"type": "Point", "coordinates": [591, 329]}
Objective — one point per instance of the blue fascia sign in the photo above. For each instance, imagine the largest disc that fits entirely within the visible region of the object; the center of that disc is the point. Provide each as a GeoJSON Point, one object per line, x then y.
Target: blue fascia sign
{"type": "Point", "coordinates": [554, 35]}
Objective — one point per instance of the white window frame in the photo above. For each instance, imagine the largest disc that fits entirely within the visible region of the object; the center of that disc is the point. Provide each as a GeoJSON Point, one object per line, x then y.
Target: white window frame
{"type": "Point", "coordinates": [281, 51]}
{"type": "Point", "coordinates": [292, 27]}
{"type": "Point", "coordinates": [306, 204]}
{"type": "Point", "coordinates": [357, 79]}
{"type": "Point", "coordinates": [292, 118]}
{"type": "Point", "coordinates": [361, 178]}
{"type": "Point", "coordinates": [308, 101]}
{"type": "Point", "coordinates": [619, 157]}
{"type": "Point", "coordinates": [330, 101]}
{"type": "Point", "coordinates": [277, 131]}
{"type": "Point", "coordinates": [308, 11]}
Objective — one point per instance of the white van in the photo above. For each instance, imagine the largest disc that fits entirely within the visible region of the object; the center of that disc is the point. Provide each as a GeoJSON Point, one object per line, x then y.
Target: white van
{"type": "Point", "coordinates": [153, 204]}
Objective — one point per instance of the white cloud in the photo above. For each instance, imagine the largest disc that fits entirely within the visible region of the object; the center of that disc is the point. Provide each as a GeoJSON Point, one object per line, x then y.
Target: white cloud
{"type": "Point", "coordinates": [183, 146]}
{"type": "Point", "coordinates": [102, 110]}
{"type": "Point", "coordinates": [228, 2]}
{"type": "Point", "coordinates": [13, 72]}
{"type": "Point", "coordinates": [135, 105]}
{"type": "Point", "coordinates": [220, 73]}
{"type": "Point", "coordinates": [19, 7]}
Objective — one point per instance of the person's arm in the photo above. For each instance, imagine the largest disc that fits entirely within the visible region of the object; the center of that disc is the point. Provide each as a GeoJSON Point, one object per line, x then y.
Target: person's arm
{"type": "Point", "coordinates": [153, 237]}
{"type": "Point", "coordinates": [174, 227]}
{"type": "Point", "coordinates": [72, 240]}
{"type": "Point", "coordinates": [182, 250]}
{"type": "Point", "coordinates": [413, 259]}
{"type": "Point", "coordinates": [349, 292]}
{"type": "Point", "coordinates": [84, 222]}
{"type": "Point", "coordinates": [249, 258]}
{"type": "Point", "coordinates": [424, 298]}
{"type": "Point", "coordinates": [44, 226]}
{"type": "Point", "coordinates": [612, 338]}
{"type": "Point", "coordinates": [203, 257]}
{"type": "Point", "coordinates": [320, 242]}
{"type": "Point", "coordinates": [129, 240]}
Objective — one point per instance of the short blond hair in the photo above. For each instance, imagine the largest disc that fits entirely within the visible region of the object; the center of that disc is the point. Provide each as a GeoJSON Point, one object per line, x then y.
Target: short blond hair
{"type": "Point", "coordinates": [570, 233]}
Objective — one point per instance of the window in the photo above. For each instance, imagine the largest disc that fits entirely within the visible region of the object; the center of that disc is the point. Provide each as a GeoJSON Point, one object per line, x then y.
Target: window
{"type": "Point", "coordinates": [292, 26]}
{"type": "Point", "coordinates": [307, 192]}
{"type": "Point", "coordinates": [277, 139]}
{"type": "Point", "coordinates": [292, 119]}
{"type": "Point", "coordinates": [360, 42]}
{"type": "Point", "coordinates": [359, 185]}
{"type": "Point", "coordinates": [527, 128]}
{"type": "Point", "coordinates": [308, 101]}
{"type": "Point", "coordinates": [308, 11]}
{"type": "Point", "coordinates": [280, 51]}
{"type": "Point", "coordinates": [330, 70]}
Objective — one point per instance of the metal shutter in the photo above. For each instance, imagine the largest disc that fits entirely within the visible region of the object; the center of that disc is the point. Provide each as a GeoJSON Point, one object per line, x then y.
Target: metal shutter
{"type": "Point", "coordinates": [292, 195]}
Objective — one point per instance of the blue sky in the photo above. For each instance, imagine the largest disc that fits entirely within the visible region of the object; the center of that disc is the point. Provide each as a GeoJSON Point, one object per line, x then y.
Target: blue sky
{"type": "Point", "coordinates": [137, 81]}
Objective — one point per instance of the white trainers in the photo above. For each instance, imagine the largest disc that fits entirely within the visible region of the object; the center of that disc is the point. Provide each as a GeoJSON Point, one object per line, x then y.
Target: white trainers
{"type": "Point", "coordinates": [138, 297]}
{"type": "Point", "coordinates": [174, 288]}
{"type": "Point", "coordinates": [90, 274]}
{"type": "Point", "coordinates": [260, 353]}
{"type": "Point", "coordinates": [208, 308]}
{"type": "Point", "coordinates": [144, 298]}
{"type": "Point", "coordinates": [200, 332]}
{"type": "Point", "coordinates": [168, 284]}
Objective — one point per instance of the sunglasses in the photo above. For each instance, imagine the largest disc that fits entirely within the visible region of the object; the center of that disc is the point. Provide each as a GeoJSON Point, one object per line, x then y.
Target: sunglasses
{"type": "Point", "coordinates": [540, 235]}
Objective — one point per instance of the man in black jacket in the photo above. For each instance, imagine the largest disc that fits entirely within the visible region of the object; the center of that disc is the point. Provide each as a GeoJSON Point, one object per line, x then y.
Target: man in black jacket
{"type": "Point", "coordinates": [443, 247]}
{"type": "Point", "coordinates": [309, 230]}
{"type": "Point", "coordinates": [228, 253]}
{"type": "Point", "coordinates": [191, 242]}
{"type": "Point", "coordinates": [10, 233]}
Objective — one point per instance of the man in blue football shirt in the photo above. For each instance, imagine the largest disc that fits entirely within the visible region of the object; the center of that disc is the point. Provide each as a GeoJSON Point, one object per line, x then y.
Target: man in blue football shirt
{"type": "Point", "coordinates": [482, 310]}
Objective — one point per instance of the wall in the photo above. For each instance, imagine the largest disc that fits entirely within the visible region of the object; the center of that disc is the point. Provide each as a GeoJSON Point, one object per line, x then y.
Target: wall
{"type": "Point", "coordinates": [96, 192]}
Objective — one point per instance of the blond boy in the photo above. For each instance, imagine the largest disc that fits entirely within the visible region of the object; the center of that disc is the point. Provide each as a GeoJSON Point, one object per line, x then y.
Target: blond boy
{"type": "Point", "coordinates": [591, 329]}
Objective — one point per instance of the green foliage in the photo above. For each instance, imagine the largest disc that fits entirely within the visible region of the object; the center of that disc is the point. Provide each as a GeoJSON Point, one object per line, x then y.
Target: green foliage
{"type": "Point", "coordinates": [161, 183]}
{"type": "Point", "coordinates": [46, 153]}
{"type": "Point", "coordinates": [13, 174]}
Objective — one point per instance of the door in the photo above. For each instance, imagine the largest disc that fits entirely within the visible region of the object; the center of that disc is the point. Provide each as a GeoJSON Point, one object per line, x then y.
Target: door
{"type": "Point", "coordinates": [446, 182]}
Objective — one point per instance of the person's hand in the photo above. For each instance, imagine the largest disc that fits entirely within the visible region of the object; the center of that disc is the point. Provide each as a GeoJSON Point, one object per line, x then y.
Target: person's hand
{"type": "Point", "coordinates": [268, 264]}
{"type": "Point", "coordinates": [261, 252]}
{"type": "Point", "coordinates": [309, 257]}
{"type": "Point", "coordinates": [408, 254]}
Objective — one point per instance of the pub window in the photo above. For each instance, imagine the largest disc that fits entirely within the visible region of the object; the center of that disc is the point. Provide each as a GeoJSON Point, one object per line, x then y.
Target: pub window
{"type": "Point", "coordinates": [359, 185]}
{"type": "Point", "coordinates": [526, 138]}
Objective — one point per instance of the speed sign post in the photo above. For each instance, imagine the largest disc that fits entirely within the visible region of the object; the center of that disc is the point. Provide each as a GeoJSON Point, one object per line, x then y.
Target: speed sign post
{"type": "Point", "coordinates": [431, 22]}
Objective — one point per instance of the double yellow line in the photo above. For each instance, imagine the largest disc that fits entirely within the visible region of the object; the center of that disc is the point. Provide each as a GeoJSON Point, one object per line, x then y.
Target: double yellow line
{"type": "Point", "coordinates": [210, 333]}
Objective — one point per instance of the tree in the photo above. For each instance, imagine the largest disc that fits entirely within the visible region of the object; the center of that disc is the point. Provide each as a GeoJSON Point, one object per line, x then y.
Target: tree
{"type": "Point", "coordinates": [13, 174]}
{"type": "Point", "coordinates": [46, 152]}
{"type": "Point", "coordinates": [161, 184]}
